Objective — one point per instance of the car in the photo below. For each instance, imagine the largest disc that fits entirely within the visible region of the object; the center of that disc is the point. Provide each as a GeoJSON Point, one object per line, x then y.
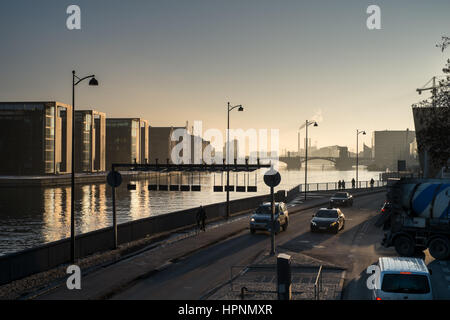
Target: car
{"type": "Point", "coordinates": [386, 207]}
{"type": "Point", "coordinates": [401, 278]}
{"type": "Point", "coordinates": [384, 216]}
{"type": "Point", "coordinates": [327, 219]}
{"type": "Point", "coordinates": [341, 199]}
{"type": "Point", "coordinates": [261, 217]}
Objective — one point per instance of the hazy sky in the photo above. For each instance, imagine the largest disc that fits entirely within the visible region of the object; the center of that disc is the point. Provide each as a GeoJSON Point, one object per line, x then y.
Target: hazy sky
{"type": "Point", "coordinates": [285, 61]}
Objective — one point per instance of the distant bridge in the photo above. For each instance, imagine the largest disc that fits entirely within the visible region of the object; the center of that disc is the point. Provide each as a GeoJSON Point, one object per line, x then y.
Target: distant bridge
{"type": "Point", "coordinates": [341, 163]}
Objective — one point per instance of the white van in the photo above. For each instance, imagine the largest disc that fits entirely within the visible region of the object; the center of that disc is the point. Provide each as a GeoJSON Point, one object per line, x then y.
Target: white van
{"type": "Point", "coordinates": [402, 278]}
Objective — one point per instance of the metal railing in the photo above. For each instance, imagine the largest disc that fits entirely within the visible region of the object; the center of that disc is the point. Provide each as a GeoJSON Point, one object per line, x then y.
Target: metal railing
{"type": "Point", "coordinates": [333, 186]}
{"type": "Point", "coordinates": [318, 284]}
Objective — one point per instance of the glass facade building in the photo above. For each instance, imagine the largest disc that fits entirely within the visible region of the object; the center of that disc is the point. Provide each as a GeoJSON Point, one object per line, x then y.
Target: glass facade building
{"type": "Point", "coordinates": [90, 140]}
{"type": "Point", "coordinates": [36, 138]}
{"type": "Point", "coordinates": [126, 141]}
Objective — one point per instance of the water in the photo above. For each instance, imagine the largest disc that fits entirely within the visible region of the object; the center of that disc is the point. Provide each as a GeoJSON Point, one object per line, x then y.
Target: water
{"type": "Point", "coordinates": [33, 216]}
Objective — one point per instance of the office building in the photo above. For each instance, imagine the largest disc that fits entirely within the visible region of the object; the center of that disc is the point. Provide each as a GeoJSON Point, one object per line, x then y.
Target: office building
{"type": "Point", "coordinates": [90, 141]}
{"type": "Point", "coordinates": [389, 146]}
{"type": "Point", "coordinates": [35, 138]}
{"type": "Point", "coordinates": [123, 140]}
{"type": "Point", "coordinates": [161, 143]}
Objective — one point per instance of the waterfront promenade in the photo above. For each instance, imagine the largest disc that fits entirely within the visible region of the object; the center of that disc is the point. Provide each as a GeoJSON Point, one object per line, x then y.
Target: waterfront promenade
{"type": "Point", "coordinates": [119, 269]}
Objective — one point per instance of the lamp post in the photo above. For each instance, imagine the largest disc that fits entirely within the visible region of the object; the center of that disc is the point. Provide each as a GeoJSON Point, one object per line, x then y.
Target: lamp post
{"type": "Point", "coordinates": [229, 108]}
{"type": "Point", "coordinates": [75, 81]}
{"type": "Point", "coordinates": [307, 124]}
{"type": "Point", "coordinates": [357, 151]}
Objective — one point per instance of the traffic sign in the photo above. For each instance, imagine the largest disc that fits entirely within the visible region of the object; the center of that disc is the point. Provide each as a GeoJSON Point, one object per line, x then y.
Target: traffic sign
{"type": "Point", "coordinates": [272, 178]}
{"type": "Point", "coordinates": [114, 179]}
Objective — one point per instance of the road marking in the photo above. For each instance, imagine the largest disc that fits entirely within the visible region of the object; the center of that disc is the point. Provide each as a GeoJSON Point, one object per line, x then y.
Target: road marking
{"type": "Point", "coordinates": [319, 247]}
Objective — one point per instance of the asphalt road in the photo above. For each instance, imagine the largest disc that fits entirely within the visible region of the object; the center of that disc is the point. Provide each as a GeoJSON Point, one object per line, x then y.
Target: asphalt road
{"type": "Point", "coordinates": [354, 248]}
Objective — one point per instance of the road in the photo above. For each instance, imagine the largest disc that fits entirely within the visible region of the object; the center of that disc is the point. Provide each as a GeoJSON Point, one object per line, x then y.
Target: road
{"type": "Point", "coordinates": [354, 248]}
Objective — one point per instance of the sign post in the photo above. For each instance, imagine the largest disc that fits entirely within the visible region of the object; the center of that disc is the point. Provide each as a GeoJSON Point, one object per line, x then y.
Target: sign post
{"type": "Point", "coordinates": [272, 178]}
{"type": "Point", "coordinates": [114, 179]}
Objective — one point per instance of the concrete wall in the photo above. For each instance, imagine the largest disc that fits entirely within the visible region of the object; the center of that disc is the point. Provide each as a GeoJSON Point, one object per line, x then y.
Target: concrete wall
{"type": "Point", "coordinates": [22, 264]}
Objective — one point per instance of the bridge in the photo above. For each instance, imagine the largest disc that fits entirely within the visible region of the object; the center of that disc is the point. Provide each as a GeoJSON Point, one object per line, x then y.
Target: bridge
{"type": "Point", "coordinates": [342, 162]}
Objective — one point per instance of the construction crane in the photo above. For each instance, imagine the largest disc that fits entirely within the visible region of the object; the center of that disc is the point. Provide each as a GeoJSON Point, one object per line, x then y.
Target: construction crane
{"type": "Point", "coordinates": [445, 42]}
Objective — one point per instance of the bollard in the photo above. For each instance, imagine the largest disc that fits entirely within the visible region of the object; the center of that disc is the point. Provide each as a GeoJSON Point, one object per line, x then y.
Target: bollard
{"type": "Point", "coordinates": [284, 283]}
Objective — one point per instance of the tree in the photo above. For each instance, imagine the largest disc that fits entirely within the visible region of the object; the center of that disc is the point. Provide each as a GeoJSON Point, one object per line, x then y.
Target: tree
{"type": "Point", "coordinates": [432, 118]}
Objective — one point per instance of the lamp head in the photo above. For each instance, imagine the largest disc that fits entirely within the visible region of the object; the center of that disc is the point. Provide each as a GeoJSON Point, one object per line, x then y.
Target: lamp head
{"type": "Point", "coordinates": [315, 124]}
{"type": "Point", "coordinates": [364, 133]}
{"type": "Point", "coordinates": [241, 108]}
{"type": "Point", "coordinates": [93, 82]}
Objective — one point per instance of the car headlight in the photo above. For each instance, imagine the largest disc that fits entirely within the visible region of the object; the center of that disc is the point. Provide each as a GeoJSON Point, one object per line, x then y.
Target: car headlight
{"type": "Point", "coordinates": [333, 224]}
{"type": "Point", "coordinates": [252, 219]}
{"type": "Point", "coordinates": [313, 223]}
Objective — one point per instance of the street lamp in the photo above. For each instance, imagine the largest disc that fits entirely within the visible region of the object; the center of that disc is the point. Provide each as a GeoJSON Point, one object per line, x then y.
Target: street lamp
{"type": "Point", "coordinates": [240, 108]}
{"type": "Point", "coordinates": [307, 124]}
{"type": "Point", "coordinates": [75, 81]}
{"type": "Point", "coordinates": [357, 149]}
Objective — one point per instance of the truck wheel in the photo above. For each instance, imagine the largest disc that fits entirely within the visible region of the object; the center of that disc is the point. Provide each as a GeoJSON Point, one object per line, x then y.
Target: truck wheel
{"type": "Point", "coordinates": [439, 248]}
{"type": "Point", "coordinates": [404, 246]}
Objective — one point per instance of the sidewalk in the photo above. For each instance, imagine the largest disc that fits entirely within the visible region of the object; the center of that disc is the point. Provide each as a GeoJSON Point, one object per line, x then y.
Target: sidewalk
{"type": "Point", "coordinates": [104, 282]}
{"type": "Point", "coordinates": [259, 280]}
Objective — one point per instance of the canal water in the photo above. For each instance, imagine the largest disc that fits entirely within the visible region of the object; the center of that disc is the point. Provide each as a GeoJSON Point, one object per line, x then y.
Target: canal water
{"type": "Point", "coordinates": [33, 216]}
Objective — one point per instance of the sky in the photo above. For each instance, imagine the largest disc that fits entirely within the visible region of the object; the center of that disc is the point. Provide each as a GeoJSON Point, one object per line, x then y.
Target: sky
{"type": "Point", "coordinates": [175, 61]}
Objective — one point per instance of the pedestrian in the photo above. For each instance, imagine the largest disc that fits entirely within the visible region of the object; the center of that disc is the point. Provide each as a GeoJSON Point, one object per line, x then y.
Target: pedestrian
{"type": "Point", "coordinates": [343, 184]}
{"type": "Point", "coordinates": [372, 182]}
{"type": "Point", "coordinates": [353, 183]}
{"type": "Point", "coordinates": [339, 184]}
{"type": "Point", "coordinates": [201, 218]}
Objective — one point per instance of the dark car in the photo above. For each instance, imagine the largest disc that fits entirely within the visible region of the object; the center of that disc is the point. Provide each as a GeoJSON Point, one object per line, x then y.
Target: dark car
{"type": "Point", "coordinates": [384, 219]}
{"type": "Point", "coordinates": [328, 220]}
{"type": "Point", "coordinates": [340, 199]}
{"type": "Point", "coordinates": [261, 218]}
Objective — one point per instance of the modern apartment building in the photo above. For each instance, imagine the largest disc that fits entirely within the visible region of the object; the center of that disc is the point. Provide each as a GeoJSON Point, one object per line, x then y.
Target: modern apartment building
{"type": "Point", "coordinates": [161, 144]}
{"type": "Point", "coordinates": [90, 141]}
{"type": "Point", "coordinates": [125, 137]}
{"type": "Point", "coordinates": [35, 138]}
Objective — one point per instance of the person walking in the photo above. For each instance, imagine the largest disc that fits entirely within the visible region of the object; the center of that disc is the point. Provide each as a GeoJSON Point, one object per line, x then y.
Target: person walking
{"type": "Point", "coordinates": [343, 184]}
{"type": "Point", "coordinates": [353, 183]}
{"type": "Point", "coordinates": [372, 182]}
{"type": "Point", "coordinates": [339, 185]}
{"type": "Point", "coordinates": [201, 218]}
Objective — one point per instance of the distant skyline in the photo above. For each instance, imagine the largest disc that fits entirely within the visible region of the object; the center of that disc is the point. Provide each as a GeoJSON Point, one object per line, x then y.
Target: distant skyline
{"type": "Point", "coordinates": [175, 61]}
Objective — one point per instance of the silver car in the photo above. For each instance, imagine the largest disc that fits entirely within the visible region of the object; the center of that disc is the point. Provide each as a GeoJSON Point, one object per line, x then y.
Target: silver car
{"type": "Point", "coordinates": [261, 219]}
{"type": "Point", "coordinates": [402, 278]}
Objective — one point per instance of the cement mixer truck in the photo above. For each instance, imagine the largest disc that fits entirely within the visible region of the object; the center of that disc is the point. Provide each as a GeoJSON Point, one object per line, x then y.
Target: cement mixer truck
{"type": "Point", "coordinates": [418, 217]}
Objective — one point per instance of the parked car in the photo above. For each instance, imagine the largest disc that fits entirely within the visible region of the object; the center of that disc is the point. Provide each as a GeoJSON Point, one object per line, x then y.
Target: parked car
{"type": "Point", "coordinates": [402, 278]}
{"type": "Point", "coordinates": [340, 199]}
{"type": "Point", "coordinates": [261, 217]}
{"type": "Point", "coordinates": [327, 219]}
